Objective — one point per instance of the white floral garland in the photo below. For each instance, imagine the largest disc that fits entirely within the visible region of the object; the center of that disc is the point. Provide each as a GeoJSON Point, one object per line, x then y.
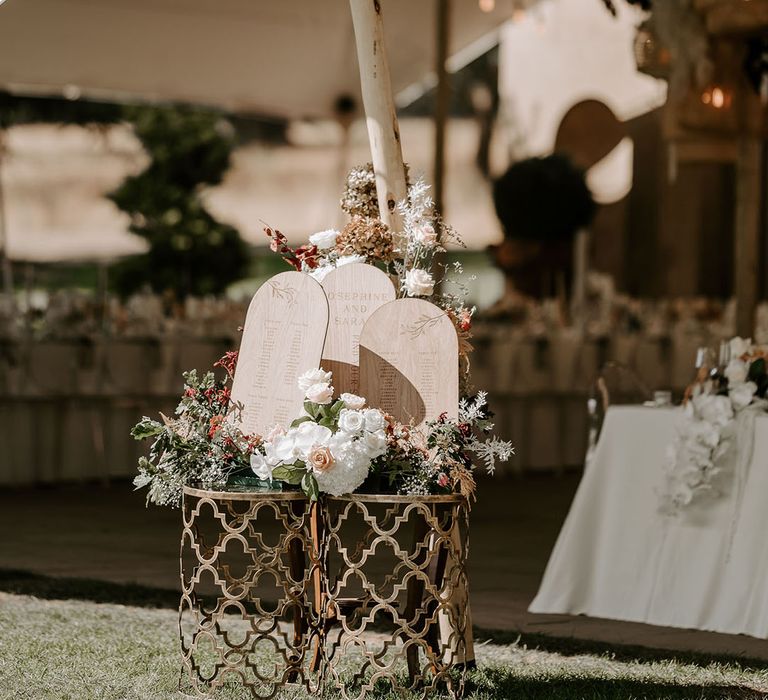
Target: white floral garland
{"type": "Point", "coordinates": [703, 450]}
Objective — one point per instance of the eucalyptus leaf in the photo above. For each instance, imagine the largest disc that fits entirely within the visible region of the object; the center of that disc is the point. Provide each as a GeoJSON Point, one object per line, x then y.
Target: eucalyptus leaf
{"type": "Point", "coordinates": [310, 487]}
{"type": "Point", "coordinates": [290, 473]}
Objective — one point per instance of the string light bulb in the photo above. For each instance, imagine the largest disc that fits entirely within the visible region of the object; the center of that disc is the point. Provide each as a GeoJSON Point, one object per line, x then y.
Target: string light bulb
{"type": "Point", "coordinates": [487, 5]}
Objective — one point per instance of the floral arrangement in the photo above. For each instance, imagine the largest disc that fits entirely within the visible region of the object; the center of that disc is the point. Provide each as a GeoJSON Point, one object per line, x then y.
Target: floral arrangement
{"type": "Point", "coordinates": [704, 449]}
{"type": "Point", "coordinates": [336, 446]}
{"type": "Point", "coordinates": [329, 449]}
{"type": "Point", "coordinates": [199, 444]}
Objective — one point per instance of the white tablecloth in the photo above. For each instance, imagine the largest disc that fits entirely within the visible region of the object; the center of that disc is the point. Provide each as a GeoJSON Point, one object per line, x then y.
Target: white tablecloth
{"type": "Point", "coordinates": [617, 557]}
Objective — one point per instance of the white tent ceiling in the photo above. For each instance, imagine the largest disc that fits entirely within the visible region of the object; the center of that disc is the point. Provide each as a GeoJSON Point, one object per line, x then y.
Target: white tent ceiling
{"type": "Point", "coordinates": [289, 57]}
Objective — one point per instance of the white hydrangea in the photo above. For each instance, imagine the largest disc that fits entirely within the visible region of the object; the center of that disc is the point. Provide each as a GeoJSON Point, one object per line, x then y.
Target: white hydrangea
{"type": "Point", "coordinates": [350, 468]}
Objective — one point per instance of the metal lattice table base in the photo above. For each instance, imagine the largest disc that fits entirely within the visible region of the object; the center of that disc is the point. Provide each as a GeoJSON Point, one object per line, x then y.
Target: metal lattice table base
{"type": "Point", "coordinates": [396, 593]}
{"type": "Point", "coordinates": [358, 592]}
{"type": "Point", "coordinates": [246, 615]}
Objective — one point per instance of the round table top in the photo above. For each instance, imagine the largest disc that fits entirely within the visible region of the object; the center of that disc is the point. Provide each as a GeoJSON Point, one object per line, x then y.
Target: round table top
{"type": "Point", "coordinates": [244, 493]}
{"type": "Point", "coordinates": [399, 498]}
{"type": "Point", "coordinates": [248, 493]}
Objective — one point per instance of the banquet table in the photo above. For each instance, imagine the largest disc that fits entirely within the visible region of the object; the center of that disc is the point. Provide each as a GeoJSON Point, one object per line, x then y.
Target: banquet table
{"type": "Point", "coordinates": [618, 557]}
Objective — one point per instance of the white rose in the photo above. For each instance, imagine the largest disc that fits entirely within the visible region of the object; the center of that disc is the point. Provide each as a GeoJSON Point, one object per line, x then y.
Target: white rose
{"type": "Point", "coordinates": [351, 421]}
{"type": "Point", "coordinates": [353, 401]}
{"type": "Point", "coordinates": [741, 395]}
{"type": "Point", "coordinates": [375, 444]}
{"type": "Point", "coordinates": [348, 259]}
{"type": "Point", "coordinates": [740, 346]}
{"type": "Point", "coordinates": [374, 420]}
{"type": "Point", "coordinates": [425, 234]}
{"type": "Point", "coordinates": [736, 371]}
{"type": "Point", "coordinates": [309, 435]}
{"type": "Point", "coordinates": [314, 376]}
{"type": "Point", "coordinates": [320, 272]}
{"type": "Point", "coordinates": [324, 239]}
{"type": "Point", "coordinates": [419, 283]}
{"type": "Point", "coordinates": [321, 393]}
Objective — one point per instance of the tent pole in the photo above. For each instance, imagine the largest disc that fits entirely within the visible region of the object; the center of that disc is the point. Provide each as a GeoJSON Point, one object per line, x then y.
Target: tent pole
{"type": "Point", "coordinates": [750, 186]}
{"type": "Point", "coordinates": [380, 116]}
{"type": "Point", "coordinates": [5, 263]}
{"type": "Point", "coordinates": [580, 271]}
{"type": "Point", "coordinates": [442, 99]}
{"type": "Point", "coordinates": [384, 135]}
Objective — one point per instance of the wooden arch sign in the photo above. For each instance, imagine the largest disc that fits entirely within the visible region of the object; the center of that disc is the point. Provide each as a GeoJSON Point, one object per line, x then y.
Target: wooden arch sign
{"type": "Point", "coordinates": [409, 361]}
{"type": "Point", "coordinates": [283, 337]}
{"type": "Point", "coordinates": [354, 292]}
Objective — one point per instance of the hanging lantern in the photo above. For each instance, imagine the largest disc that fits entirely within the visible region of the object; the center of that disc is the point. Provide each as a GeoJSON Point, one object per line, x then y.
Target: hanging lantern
{"type": "Point", "coordinates": [651, 57]}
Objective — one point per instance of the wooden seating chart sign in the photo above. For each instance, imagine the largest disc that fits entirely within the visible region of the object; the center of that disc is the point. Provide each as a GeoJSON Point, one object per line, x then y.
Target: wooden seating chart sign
{"type": "Point", "coordinates": [409, 361]}
{"type": "Point", "coordinates": [283, 338]}
{"type": "Point", "coordinates": [354, 292]}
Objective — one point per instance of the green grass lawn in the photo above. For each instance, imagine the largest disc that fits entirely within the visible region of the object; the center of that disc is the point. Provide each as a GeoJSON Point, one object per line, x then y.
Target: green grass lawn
{"type": "Point", "coordinates": [76, 649]}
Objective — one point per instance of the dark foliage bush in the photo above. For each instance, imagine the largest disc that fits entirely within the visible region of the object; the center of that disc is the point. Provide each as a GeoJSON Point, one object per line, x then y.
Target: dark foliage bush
{"type": "Point", "coordinates": [543, 199]}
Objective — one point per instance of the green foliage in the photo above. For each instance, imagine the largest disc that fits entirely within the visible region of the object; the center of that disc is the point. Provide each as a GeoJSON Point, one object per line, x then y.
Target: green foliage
{"type": "Point", "coordinates": [189, 251]}
{"type": "Point", "coordinates": [15, 110]}
{"type": "Point", "coordinates": [198, 445]}
{"type": "Point", "coordinates": [310, 486]}
{"type": "Point", "coordinates": [290, 473]}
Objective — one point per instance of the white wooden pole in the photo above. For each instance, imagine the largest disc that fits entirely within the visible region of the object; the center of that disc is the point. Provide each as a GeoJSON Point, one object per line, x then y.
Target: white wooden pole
{"type": "Point", "coordinates": [383, 129]}
{"type": "Point", "coordinates": [384, 135]}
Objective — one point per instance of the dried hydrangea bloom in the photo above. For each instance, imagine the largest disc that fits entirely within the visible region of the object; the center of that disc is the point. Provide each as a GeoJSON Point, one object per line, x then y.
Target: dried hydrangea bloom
{"type": "Point", "coordinates": [368, 237]}
{"type": "Point", "coordinates": [359, 198]}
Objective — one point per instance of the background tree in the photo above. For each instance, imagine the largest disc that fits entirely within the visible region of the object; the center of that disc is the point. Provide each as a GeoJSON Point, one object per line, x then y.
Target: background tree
{"type": "Point", "coordinates": [190, 252]}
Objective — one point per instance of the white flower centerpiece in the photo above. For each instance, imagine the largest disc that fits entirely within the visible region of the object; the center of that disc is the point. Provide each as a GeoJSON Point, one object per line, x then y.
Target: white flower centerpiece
{"type": "Point", "coordinates": [330, 449]}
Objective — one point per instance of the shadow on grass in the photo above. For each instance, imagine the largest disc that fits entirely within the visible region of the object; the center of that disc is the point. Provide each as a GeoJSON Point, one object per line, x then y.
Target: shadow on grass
{"type": "Point", "coordinates": [489, 682]}
{"type": "Point", "coordinates": [569, 646]}
{"type": "Point", "coordinates": [495, 682]}
{"type": "Point", "coordinates": [49, 588]}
